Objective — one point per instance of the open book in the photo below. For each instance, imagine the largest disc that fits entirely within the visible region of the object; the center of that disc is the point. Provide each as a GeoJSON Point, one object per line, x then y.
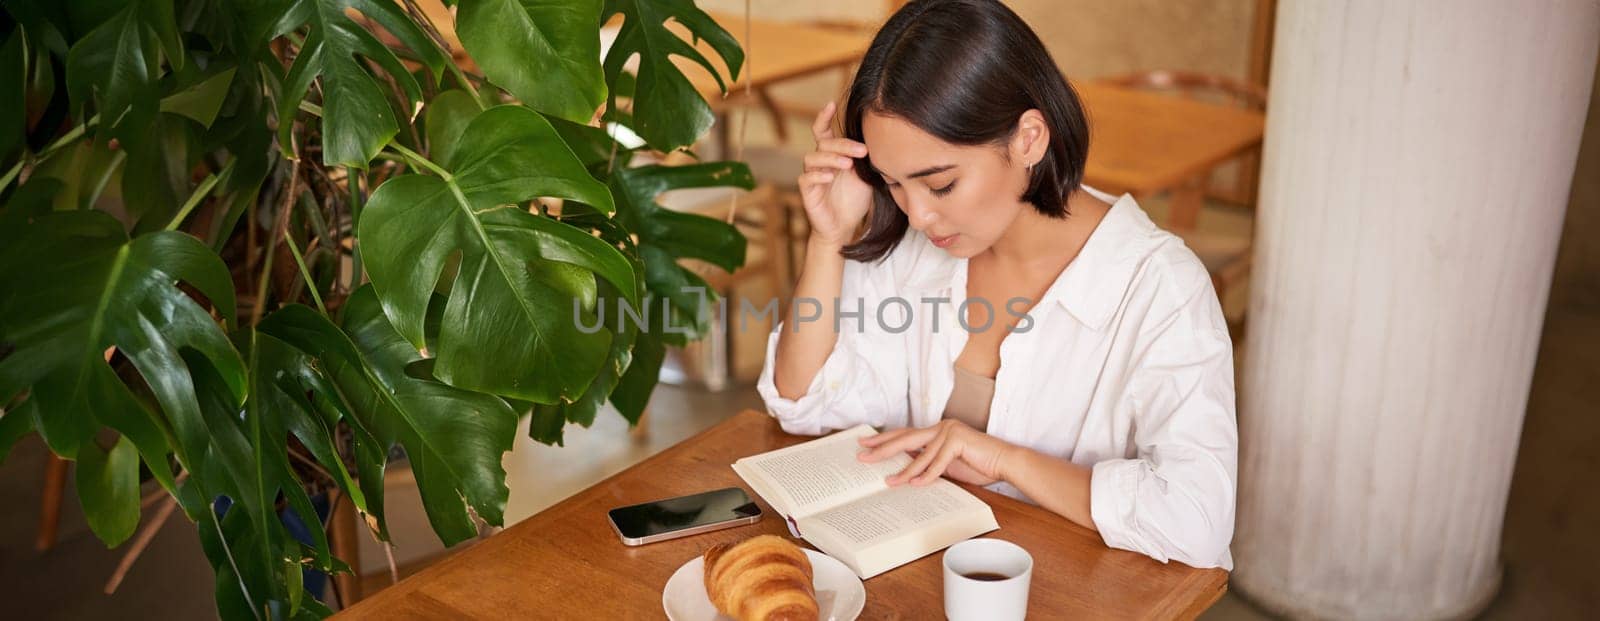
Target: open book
{"type": "Point", "coordinates": [843, 507]}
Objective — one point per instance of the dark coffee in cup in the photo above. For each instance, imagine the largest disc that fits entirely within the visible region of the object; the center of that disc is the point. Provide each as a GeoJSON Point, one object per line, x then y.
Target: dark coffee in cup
{"type": "Point", "coordinates": [986, 580]}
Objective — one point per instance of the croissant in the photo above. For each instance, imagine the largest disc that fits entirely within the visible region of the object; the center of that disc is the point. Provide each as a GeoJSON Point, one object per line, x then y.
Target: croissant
{"type": "Point", "coordinates": [763, 578]}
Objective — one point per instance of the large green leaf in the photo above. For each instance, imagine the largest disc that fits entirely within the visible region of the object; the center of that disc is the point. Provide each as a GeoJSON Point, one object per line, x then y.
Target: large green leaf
{"type": "Point", "coordinates": [545, 52]}
{"type": "Point", "coordinates": [509, 325]}
{"type": "Point", "coordinates": [447, 116]}
{"type": "Point", "coordinates": [667, 111]}
{"type": "Point", "coordinates": [345, 390]}
{"type": "Point", "coordinates": [73, 285]}
{"type": "Point", "coordinates": [119, 61]}
{"type": "Point", "coordinates": [667, 236]}
{"type": "Point", "coordinates": [664, 238]}
{"type": "Point", "coordinates": [549, 420]}
{"type": "Point", "coordinates": [246, 461]}
{"type": "Point", "coordinates": [357, 119]}
{"type": "Point", "coordinates": [241, 542]}
{"type": "Point", "coordinates": [108, 489]}
{"type": "Point", "coordinates": [454, 438]}
{"type": "Point", "coordinates": [202, 101]}
{"type": "Point", "coordinates": [681, 234]}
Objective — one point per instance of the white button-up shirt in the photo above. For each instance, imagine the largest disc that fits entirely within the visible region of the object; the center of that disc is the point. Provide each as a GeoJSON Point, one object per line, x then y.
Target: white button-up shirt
{"type": "Point", "coordinates": [1127, 368]}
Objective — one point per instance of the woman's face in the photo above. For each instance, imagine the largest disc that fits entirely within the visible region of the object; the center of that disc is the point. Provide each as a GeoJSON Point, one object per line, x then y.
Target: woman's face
{"type": "Point", "coordinates": [962, 197]}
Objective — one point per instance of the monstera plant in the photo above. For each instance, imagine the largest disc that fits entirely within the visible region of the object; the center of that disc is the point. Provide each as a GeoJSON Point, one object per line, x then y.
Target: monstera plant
{"type": "Point", "coordinates": [254, 250]}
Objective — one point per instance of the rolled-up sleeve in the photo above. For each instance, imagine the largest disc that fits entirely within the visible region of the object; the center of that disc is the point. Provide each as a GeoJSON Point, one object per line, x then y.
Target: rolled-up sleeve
{"type": "Point", "coordinates": [864, 379]}
{"type": "Point", "coordinates": [1175, 500]}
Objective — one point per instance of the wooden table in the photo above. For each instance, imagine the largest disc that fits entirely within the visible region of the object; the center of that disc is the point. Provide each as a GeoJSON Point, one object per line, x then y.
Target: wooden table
{"type": "Point", "coordinates": [774, 52]}
{"type": "Point", "coordinates": [780, 51]}
{"type": "Point", "coordinates": [567, 563]}
{"type": "Point", "coordinates": [1145, 143]}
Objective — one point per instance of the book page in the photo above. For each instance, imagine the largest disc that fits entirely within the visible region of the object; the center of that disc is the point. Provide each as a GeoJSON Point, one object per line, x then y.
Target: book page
{"type": "Point", "coordinates": [894, 511]}
{"type": "Point", "coordinates": [819, 474]}
{"type": "Point", "coordinates": [898, 525]}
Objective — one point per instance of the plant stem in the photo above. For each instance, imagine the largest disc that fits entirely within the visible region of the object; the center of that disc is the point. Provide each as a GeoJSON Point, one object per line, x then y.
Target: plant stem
{"type": "Point", "coordinates": [300, 261]}
{"type": "Point", "coordinates": [12, 174]}
{"type": "Point", "coordinates": [464, 80]}
{"type": "Point", "coordinates": [354, 179]}
{"type": "Point", "coordinates": [420, 161]}
{"type": "Point", "coordinates": [194, 200]}
{"type": "Point", "coordinates": [75, 133]}
{"type": "Point", "coordinates": [279, 230]}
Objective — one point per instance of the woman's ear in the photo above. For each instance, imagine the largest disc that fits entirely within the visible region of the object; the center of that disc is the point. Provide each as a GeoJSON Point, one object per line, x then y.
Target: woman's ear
{"type": "Point", "coordinates": [1031, 139]}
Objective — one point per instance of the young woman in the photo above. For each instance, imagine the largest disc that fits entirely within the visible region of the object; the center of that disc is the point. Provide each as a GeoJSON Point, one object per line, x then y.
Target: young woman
{"type": "Point", "coordinates": [1007, 325]}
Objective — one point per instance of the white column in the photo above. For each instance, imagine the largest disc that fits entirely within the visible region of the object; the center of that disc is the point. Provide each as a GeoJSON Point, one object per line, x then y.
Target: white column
{"type": "Point", "coordinates": [1416, 168]}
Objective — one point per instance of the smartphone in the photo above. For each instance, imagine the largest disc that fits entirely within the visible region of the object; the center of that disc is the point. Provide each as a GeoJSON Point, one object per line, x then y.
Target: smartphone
{"type": "Point", "coordinates": [670, 518]}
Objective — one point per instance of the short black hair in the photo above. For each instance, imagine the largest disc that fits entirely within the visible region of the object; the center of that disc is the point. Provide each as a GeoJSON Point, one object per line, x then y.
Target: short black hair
{"type": "Point", "coordinates": [964, 71]}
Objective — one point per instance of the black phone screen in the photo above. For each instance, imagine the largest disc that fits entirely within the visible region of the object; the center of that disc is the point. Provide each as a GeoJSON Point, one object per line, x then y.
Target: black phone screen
{"type": "Point", "coordinates": [663, 516]}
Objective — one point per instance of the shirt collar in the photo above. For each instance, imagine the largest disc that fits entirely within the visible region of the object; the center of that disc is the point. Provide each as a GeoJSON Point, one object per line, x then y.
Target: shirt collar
{"type": "Point", "coordinates": [1091, 286]}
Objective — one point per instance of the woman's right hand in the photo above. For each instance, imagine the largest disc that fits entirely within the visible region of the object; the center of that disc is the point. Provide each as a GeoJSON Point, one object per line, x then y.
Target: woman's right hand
{"type": "Point", "coordinates": [836, 200]}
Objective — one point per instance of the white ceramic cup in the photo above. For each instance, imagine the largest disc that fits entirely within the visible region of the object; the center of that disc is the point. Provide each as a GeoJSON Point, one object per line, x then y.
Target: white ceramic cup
{"type": "Point", "coordinates": [971, 599]}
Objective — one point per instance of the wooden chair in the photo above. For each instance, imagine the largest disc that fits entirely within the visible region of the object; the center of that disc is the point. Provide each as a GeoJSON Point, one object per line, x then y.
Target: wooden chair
{"type": "Point", "coordinates": [1226, 257]}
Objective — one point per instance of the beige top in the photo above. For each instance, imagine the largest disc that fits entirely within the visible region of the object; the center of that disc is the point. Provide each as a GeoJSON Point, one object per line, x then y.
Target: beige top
{"type": "Point", "coordinates": [970, 398]}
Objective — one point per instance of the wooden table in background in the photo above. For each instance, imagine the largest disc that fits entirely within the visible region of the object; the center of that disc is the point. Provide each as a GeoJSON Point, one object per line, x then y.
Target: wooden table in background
{"type": "Point", "coordinates": [567, 563]}
{"type": "Point", "coordinates": [782, 51]}
{"type": "Point", "coordinates": [1144, 143]}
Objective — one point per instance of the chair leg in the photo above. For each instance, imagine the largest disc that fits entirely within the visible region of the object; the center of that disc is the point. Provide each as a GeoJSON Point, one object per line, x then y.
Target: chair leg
{"type": "Point", "coordinates": [641, 429]}
{"type": "Point", "coordinates": [342, 531]}
{"type": "Point", "coordinates": [140, 541]}
{"type": "Point", "coordinates": [55, 485]}
{"type": "Point", "coordinates": [724, 137]}
{"type": "Point", "coordinates": [776, 225]}
{"type": "Point", "coordinates": [1247, 183]}
{"type": "Point", "coordinates": [1187, 200]}
{"type": "Point", "coordinates": [779, 127]}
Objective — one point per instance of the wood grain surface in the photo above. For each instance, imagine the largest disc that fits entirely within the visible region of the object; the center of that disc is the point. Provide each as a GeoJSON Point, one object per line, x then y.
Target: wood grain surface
{"type": "Point", "coordinates": [567, 563]}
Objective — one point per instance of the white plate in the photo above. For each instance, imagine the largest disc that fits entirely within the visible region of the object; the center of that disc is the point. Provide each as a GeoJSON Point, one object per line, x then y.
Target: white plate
{"type": "Point", "coordinates": [840, 595]}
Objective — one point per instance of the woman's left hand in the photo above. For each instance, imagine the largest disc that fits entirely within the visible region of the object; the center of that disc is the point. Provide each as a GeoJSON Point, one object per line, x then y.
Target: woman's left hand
{"type": "Point", "coordinates": [949, 447]}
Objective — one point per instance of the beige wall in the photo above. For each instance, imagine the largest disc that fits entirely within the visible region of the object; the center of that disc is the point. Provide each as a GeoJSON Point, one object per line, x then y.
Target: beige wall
{"type": "Point", "coordinates": [1087, 38]}
{"type": "Point", "coordinates": [1092, 39]}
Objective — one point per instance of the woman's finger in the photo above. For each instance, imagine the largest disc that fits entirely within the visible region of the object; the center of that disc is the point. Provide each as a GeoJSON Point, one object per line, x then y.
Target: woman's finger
{"type": "Point", "coordinates": [880, 438]}
{"type": "Point", "coordinates": [823, 160]}
{"type": "Point", "coordinates": [922, 461]}
{"type": "Point", "coordinates": [843, 146]}
{"type": "Point", "coordinates": [909, 440]}
{"type": "Point", "coordinates": [948, 453]}
{"type": "Point", "coordinates": [815, 177]}
{"type": "Point", "coordinates": [822, 128]}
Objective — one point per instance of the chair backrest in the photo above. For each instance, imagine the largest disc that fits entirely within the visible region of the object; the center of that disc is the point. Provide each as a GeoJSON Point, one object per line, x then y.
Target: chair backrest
{"type": "Point", "coordinates": [1197, 85]}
